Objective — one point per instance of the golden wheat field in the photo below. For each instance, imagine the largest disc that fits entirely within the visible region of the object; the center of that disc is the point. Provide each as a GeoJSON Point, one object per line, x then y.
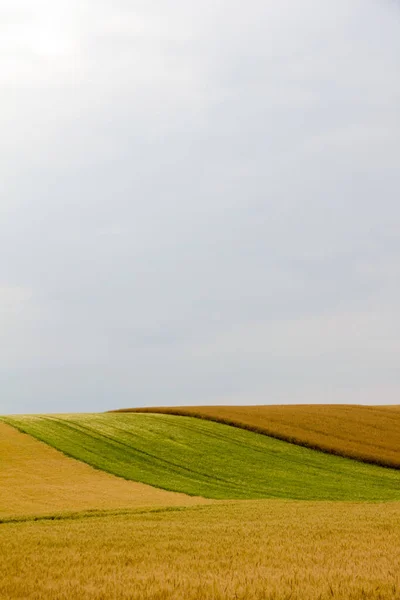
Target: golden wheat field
{"type": "Point", "coordinates": [367, 433]}
{"type": "Point", "coordinates": [245, 550]}
{"type": "Point", "coordinates": [35, 479]}
{"type": "Point", "coordinates": [71, 532]}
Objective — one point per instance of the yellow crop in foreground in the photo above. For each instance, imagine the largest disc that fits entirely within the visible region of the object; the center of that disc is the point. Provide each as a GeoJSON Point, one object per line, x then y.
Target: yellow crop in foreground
{"type": "Point", "coordinates": [247, 550]}
{"type": "Point", "coordinates": [36, 479]}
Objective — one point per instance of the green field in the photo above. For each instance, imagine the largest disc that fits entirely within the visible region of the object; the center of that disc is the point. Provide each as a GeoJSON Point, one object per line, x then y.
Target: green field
{"type": "Point", "coordinates": [208, 459]}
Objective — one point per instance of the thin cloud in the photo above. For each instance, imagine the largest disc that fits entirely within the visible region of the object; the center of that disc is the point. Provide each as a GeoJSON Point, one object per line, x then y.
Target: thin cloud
{"type": "Point", "coordinates": [199, 202]}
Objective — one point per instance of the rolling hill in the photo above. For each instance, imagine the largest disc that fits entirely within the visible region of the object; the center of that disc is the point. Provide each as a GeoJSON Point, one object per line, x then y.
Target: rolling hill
{"type": "Point", "coordinates": [36, 479]}
{"type": "Point", "coordinates": [367, 433]}
{"type": "Point", "coordinates": [203, 458]}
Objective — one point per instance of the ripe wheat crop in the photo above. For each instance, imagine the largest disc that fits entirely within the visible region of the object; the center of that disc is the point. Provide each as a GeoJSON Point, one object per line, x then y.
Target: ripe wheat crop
{"type": "Point", "coordinates": [244, 550]}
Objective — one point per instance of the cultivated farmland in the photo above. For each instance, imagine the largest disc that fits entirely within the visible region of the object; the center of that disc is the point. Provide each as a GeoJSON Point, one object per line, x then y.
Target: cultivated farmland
{"type": "Point", "coordinates": [367, 433]}
{"type": "Point", "coordinates": [257, 550]}
{"type": "Point", "coordinates": [37, 480]}
{"type": "Point", "coordinates": [204, 458]}
{"type": "Point", "coordinates": [279, 520]}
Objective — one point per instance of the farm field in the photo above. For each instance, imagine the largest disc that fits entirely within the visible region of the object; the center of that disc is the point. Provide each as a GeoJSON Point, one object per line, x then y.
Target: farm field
{"type": "Point", "coordinates": [37, 480]}
{"type": "Point", "coordinates": [261, 519]}
{"type": "Point", "coordinates": [204, 458]}
{"type": "Point", "coordinates": [366, 433]}
{"type": "Point", "coordinates": [245, 550]}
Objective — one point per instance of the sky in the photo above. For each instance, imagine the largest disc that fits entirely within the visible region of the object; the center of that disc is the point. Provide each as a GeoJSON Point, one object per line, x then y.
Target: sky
{"type": "Point", "coordinates": [199, 203]}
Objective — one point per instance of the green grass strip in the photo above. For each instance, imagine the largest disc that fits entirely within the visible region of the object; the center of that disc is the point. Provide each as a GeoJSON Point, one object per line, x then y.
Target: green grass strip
{"type": "Point", "coordinates": [209, 459]}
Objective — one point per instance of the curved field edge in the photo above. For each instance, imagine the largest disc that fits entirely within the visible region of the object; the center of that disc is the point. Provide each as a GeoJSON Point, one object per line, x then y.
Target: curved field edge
{"type": "Point", "coordinates": [37, 480]}
{"type": "Point", "coordinates": [363, 433]}
{"type": "Point", "coordinates": [212, 460]}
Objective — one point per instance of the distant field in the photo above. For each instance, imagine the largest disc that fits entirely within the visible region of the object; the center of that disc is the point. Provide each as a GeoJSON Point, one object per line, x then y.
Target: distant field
{"type": "Point", "coordinates": [37, 480]}
{"type": "Point", "coordinates": [245, 550]}
{"type": "Point", "coordinates": [69, 531]}
{"type": "Point", "coordinates": [367, 433]}
{"type": "Point", "coordinates": [204, 458]}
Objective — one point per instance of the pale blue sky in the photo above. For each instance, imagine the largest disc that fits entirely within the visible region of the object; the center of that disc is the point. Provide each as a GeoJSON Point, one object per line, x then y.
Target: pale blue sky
{"type": "Point", "coordinates": [199, 203]}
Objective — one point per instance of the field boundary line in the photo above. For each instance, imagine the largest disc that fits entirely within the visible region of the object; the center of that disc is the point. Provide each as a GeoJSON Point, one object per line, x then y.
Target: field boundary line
{"type": "Point", "coordinates": [181, 412]}
{"type": "Point", "coordinates": [102, 513]}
